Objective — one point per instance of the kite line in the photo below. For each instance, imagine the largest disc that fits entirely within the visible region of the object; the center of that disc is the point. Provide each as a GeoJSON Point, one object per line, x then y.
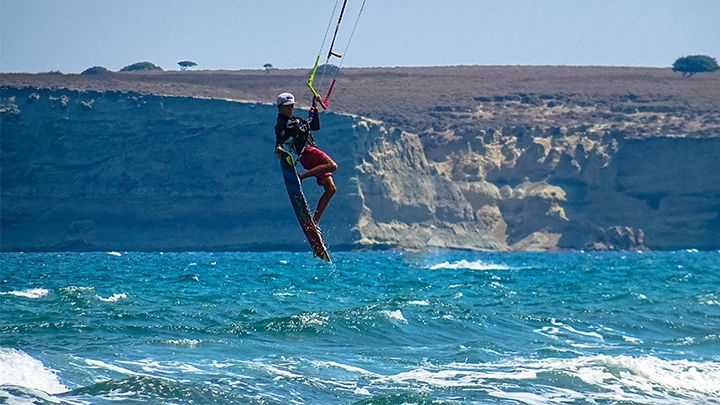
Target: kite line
{"type": "Point", "coordinates": [332, 53]}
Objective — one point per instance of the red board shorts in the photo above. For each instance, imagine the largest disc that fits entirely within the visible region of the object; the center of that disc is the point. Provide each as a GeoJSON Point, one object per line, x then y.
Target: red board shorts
{"type": "Point", "coordinates": [312, 157]}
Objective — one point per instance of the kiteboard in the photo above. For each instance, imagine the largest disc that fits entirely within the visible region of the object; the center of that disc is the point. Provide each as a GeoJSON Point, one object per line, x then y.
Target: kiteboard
{"type": "Point", "coordinates": [300, 206]}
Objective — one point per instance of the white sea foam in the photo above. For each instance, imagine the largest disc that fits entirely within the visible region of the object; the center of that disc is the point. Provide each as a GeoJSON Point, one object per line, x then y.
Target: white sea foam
{"type": "Point", "coordinates": [352, 369]}
{"type": "Point", "coordinates": [182, 342]}
{"type": "Point", "coordinates": [422, 303]}
{"type": "Point", "coordinates": [582, 333]}
{"type": "Point", "coordinates": [395, 315]}
{"type": "Point", "coordinates": [474, 265]}
{"type": "Point", "coordinates": [20, 369]}
{"type": "Point", "coordinates": [648, 372]}
{"type": "Point", "coordinates": [551, 395]}
{"type": "Point", "coordinates": [559, 329]}
{"type": "Point", "coordinates": [113, 298]}
{"type": "Point", "coordinates": [708, 299]}
{"type": "Point", "coordinates": [522, 397]}
{"type": "Point", "coordinates": [101, 364]}
{"type": "Point", "coordinates": [118, 254]}
{"type": "Point", "coordinates": [280, 373]}
{"type": "Point", "coordinates": [644, 380]}
{"type": "Point", "coordinates": [150, 368]}
{"type": "Point", "coordinates": [631, 339]}
{"type": "Point", "coordinates": [154, 367]}
{"type": "Point", "coordinates": [312, 319]}
{"type": "Point", "coordinates": [460, 376]}
{"type": "Point", "coordinates": [31, 293]}
{"type": "Point", "coordinates": [74, 289]}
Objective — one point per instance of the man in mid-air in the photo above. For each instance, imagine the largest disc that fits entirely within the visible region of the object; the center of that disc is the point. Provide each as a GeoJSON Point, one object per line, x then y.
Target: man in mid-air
{"type": "Point", "coordinates": [296, 133]}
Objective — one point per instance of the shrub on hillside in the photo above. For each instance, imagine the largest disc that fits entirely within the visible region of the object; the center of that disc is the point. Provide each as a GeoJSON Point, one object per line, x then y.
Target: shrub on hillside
{"type": "Point", "coordinates": [327, 70]}
{"type": "Point", "coordinates": [96, 70]}
{"type": "Point", "coordinates": [141, 66]}
{"type": "Point", "coordinates": [186, 64]}
{"type": "Point", "coordinates": [689, 65]}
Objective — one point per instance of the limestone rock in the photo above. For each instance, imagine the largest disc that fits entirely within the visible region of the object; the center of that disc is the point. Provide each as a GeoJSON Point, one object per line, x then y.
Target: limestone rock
{"type": "Point", "coordinates": [579, 158]}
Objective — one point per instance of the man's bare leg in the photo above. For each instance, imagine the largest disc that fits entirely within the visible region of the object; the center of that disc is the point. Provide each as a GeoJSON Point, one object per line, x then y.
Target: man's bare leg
{"type": "Point", "coordinates": [330, 189]}
{"type": "Point", "coordinates": [327, 166]}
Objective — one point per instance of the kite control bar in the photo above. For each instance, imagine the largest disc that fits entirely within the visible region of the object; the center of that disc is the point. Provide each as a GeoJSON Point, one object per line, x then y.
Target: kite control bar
{"type": "Point", "coordinates": [323, 103]}
{"type": "Point", "coordinates": [331, 52]}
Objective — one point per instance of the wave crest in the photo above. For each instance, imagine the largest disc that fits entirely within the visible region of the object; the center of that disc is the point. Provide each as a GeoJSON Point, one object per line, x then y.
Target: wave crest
{"type": "Point", "coordinates": [466, 265]}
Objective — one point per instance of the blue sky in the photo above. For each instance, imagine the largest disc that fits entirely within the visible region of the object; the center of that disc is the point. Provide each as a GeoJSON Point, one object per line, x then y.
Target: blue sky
{"type": "Point", "coordinates": [72, 35]}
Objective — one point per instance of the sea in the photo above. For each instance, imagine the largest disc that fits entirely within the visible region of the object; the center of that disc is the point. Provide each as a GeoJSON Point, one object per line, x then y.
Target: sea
{"type": "Point", "coordinates": [380, 328]}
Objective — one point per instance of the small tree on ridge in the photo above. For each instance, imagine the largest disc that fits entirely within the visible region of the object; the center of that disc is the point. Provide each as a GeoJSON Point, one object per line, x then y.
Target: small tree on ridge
{"type": "Point", "coordinates": [689, 65]}
{"type": "Point", "coordinates": [186, 64]}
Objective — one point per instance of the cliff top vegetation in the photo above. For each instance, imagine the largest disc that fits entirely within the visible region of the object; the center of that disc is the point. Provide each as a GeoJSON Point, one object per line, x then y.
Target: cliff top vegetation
{"type": "Point", "coordinates": [689, 65]}
{"type": "Point", "coordinates": [455, 98]}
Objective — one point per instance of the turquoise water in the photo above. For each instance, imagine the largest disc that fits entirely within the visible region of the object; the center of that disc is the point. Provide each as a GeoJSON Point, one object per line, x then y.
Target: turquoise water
{"type": "Point", "coordinates": [369, 328]}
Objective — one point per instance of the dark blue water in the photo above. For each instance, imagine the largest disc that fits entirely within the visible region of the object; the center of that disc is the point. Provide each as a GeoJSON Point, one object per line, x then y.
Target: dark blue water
{"type": "Point", "coordinates": [368, 328]}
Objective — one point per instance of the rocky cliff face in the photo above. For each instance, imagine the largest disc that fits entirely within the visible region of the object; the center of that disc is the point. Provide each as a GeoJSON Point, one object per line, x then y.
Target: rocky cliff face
{"type": "Point", "coordinates": [104, 170]}
{"type": "Point", "coordinates": [619, 174]}
{"type": "Point", "coordinates": [90, 170]}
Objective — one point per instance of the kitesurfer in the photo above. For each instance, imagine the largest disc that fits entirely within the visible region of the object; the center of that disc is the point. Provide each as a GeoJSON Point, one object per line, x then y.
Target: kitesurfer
{"type": "Point", "coordinates": [297, 134]}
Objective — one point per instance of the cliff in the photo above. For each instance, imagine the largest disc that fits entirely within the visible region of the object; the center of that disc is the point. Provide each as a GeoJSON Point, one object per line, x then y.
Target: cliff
{"type": "Point", "coordinates": [429, 158]}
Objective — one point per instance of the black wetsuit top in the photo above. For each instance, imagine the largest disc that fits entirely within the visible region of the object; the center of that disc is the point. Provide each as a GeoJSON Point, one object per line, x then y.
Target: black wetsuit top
{"type": "Point", "coordinates": [296, 132]}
